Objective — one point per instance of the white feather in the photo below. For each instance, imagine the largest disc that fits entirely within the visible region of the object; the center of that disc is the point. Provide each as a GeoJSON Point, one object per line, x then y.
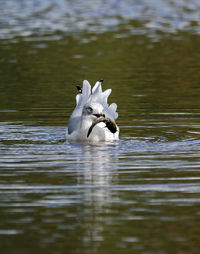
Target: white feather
{"type": "Point", "coordinates": [79, 124]}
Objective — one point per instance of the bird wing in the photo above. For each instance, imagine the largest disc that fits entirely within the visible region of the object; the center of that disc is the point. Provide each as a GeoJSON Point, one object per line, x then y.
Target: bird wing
{"type": "Point", "coordinates": [102, 97]}
{"type": "Point", "coordinates": [88, 95]}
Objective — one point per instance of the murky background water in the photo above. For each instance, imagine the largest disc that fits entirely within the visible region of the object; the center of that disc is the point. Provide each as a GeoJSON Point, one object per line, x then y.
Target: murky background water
{"type": "Point", "coordinates": [138, 195]}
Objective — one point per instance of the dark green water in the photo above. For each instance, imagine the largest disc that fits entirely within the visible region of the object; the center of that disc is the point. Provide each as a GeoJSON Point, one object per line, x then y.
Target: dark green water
{"type": "Point", "coordinates": [138, 195]}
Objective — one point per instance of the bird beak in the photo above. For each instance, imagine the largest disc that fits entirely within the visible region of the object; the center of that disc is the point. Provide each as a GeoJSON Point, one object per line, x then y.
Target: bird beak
{"type": "Point", "coordinates": [99, 115]}
{"type": "Point", "coordinates": [99, 118]}
{"type": "Point", "coordinates": [102, 118]}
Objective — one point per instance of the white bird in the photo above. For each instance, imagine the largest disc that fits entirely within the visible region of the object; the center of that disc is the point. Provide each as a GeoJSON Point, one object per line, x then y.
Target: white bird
{"type": "Point", "coordinates": [93, 119]}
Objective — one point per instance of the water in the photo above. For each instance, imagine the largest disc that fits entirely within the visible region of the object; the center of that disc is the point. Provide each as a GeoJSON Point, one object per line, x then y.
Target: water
{"type": "Point", "coordinates": [140, 194]}
{"type": "Point", "coordinates": [99, 16]}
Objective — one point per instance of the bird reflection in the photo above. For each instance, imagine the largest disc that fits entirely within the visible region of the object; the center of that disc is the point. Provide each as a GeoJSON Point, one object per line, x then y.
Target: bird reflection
{"type": "Point", "coordinates": [96, 173]}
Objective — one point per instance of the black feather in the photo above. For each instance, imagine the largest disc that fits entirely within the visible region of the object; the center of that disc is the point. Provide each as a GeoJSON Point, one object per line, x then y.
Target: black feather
{"type": "Point", "coordinates": [79, 89]}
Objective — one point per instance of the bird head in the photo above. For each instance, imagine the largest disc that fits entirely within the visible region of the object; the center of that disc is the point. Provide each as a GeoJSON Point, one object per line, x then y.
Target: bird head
{"type": "Point", "coordinates": [93, 112]}
{"type": "Point", "coordinates": [92, 108]}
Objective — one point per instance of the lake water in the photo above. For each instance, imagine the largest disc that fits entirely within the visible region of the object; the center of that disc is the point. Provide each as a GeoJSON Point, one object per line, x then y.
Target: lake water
{"type": "Point", "coordinates": [140, 194]}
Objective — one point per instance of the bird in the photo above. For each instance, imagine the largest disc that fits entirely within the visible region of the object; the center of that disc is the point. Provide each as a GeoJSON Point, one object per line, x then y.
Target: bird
{"type": "Point", "coordinates": [93, 119]}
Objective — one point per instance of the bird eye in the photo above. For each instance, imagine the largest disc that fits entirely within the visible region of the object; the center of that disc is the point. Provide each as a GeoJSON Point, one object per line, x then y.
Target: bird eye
{"type": "Point", "coordinates": [89, 110]}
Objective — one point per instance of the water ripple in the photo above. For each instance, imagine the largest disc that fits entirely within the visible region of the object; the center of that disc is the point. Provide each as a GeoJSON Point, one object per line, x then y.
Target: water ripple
{"type": "Point", "coordinates": [28, 18]}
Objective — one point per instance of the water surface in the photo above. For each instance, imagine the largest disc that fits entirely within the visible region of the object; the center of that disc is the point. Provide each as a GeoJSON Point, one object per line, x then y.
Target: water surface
{"type": "Point", "coordinates": [140, 194]}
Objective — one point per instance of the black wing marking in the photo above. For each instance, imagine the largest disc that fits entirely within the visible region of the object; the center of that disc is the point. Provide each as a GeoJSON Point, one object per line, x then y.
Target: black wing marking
{"type": "Point", "coordinates": [79, 89]}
